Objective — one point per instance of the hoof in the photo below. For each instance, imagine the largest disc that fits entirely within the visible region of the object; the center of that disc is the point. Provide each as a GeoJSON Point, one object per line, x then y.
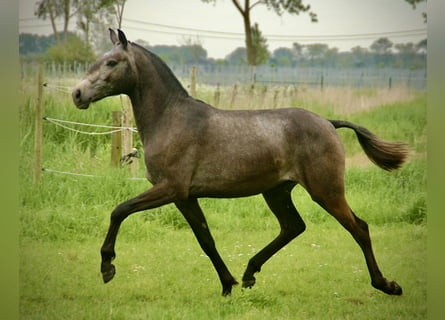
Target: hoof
{"type": "Point", "coordinates": [395, 289]}
{"type": "Point", "coordinates": [227, 291]}
{"type": "Point", "coordinates": [227, 288]}
{"type": "Point", "coordinates": [390, 287]}
{"type": "Point", "coordinates": [248, 283]}
{"type": "Point", "coordinates": [108, 274]}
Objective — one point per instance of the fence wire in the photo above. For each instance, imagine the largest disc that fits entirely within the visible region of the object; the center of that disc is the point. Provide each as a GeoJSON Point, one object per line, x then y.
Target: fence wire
{"type": "Point", "coordinates": [58, 88]}
{"type": "Point", "coordinates": [60, 123]}
{"type": "Point", "coordinates": [84, 175]}
{"type": "Point", "coordinates": [65, 124]}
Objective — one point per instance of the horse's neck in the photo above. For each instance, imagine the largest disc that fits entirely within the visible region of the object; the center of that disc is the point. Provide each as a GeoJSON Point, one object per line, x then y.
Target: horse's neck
{"type": "Point", "coordinates": [150, 107]}
{"type": "Point", "coordinates": [157, 90]}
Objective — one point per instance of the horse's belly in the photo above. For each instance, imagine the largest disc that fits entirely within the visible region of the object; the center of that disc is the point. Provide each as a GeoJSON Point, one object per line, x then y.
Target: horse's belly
{"type": "Point", "coordinates": [236, 179]}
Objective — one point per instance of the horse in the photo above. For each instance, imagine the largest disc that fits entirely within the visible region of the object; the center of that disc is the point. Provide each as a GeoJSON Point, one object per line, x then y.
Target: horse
{"type": "Point", "coordinates": [193, 150]}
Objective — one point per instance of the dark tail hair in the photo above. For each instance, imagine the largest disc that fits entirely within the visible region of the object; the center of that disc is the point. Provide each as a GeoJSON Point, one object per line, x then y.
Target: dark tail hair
{"type": "Point", "coordinates": [387, 155]}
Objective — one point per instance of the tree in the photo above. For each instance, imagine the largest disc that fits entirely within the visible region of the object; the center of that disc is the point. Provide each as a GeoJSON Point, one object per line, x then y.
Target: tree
{"type": "Point", "coordinates": [330, 57]}
{"type": "Point", "coordinates": [73, 49]}
{"type": "Point", "coordinates": [414, 3]}
{"type": "Point", "coordinates": [259, 44]}
{"type": "Point", "coordinates": [116, 7]}
{"type": "Point", "coordinates": [406, 54]}
{"type": "Point", "coordinates": [237, 56]}
{"type": "Point", "coordinates": [359, 56]}
{"type": "Point", "coordinates": [279, 6]}
{"type": "Point", "coordinates": [87, 12]}
{"type": "Point", "coordinates": [283, 57]}
{"type": "Point", "coordinates": [382, 48]}
{"type": "Point", "coordinates": [96, 12]}
{"type": "Point", "coordinates": [298, 52]}
{"type": "Point", "coordinates": [422, 46]}
{"type": "Point", "coordinates": [193, 50]}
{"type": "Point", "coordinates": [316, 51]}
{"type": "Point", "coordinates": [33, 45]}
{"type": "Point", "coordinates": [53, 9]}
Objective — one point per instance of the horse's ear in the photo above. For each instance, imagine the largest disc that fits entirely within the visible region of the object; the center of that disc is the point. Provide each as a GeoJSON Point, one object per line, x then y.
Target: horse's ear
{"type": "Point", "coordinates": [113, 36]}
{"type": "Point", "coordinates": [122, 39]}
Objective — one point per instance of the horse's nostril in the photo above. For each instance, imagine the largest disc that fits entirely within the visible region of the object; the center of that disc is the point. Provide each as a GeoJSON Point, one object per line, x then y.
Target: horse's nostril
{"type": "Point", "coordinates": [77, 94]}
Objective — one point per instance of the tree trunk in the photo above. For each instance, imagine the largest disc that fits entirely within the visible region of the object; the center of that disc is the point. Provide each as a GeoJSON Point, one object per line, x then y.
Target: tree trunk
{"type": "Point", "coordinates": [249, 45]}
{"type": "Point", "coordinates": [119, 6]}
{"type": "Point", "coordinates": [53, 22]}
{"type": "Point", "coordinates": [66, 19]}
{"type": "Point", "coordinates": [247, 29]}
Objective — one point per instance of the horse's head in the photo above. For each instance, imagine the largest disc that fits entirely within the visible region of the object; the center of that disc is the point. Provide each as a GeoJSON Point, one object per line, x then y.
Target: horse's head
{"type": "Point", "coordinates": [114, 73]}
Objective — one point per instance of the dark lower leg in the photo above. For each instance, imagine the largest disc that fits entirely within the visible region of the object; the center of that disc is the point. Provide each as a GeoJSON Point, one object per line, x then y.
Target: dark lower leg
{"type": "Point", "coordinates": [377, 280]}
{"type": "Point", "coordinates": [195, 217]}
{"type": "Point", "coordinates": [265, 254]}
{"type": "Point", "coordinates": [155, 197]}
{"type": "Point", "coordinates": [107, 252]}
{"type": "Point", "coordinates": [360, 232]}
{"type": "Point", "coordinates": [280, 202]}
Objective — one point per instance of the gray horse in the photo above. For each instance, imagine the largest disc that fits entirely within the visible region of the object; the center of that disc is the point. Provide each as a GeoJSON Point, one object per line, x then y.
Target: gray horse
{"type": "Point", "coordinates": [193, 150]}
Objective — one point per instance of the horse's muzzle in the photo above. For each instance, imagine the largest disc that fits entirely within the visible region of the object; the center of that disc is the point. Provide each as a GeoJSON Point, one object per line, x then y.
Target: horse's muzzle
{"type": "Point", "coordinates": [77, 99]}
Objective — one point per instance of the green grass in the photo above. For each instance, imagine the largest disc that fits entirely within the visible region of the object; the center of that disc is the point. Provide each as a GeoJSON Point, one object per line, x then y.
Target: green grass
{"type": "Point", "coordinates": [161, 271]}
{"type": "Point", "coordinates": [164, 275]}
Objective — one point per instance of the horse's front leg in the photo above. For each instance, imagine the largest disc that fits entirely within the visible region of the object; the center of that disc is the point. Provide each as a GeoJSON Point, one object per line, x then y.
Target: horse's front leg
{"type": "Point", "coordinates": [157, 196]}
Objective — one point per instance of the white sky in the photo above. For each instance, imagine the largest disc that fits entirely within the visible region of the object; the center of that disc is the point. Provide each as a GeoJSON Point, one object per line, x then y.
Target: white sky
{"type": "Point", "coordinates": [336, 18]}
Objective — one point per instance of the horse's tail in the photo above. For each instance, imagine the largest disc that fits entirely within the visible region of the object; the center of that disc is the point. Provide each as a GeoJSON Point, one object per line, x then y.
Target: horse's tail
{"type": "Point", "coordinates": [387, 155]}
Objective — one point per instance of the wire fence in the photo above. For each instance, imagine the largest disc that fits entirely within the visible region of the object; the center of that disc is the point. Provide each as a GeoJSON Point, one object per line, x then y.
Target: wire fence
{"type": "Point", "coordinates": [61, 123]}
{"type": "Point", "coordinates": [227, 75]}
{"type": "Point", "coordinates": [70, 125]}
{"type": "Point", "coordinates": [230, 77]}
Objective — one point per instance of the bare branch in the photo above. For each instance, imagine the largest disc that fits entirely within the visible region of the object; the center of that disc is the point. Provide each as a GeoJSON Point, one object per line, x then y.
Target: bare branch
{"type": "Point", "coordinates": [238, 6]}
{"type": "Point", "coordinates": [256, 3]}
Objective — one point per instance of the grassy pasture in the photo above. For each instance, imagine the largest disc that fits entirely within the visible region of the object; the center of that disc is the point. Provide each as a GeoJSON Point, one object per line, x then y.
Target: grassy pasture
{"type": "Point", "coordinates": [161, 271]}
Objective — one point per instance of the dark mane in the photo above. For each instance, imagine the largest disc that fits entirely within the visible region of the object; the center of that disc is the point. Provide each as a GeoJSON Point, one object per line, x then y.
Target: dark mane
{"type": "Point", "coordinates": [164, 71]}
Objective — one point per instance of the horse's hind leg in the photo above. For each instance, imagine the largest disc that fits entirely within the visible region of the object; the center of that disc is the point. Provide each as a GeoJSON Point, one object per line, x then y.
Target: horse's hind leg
{"type": "Point", "coordinates": [195, 217]}
{"type": "Point", "coordinates": [280, 202]}
{"type": "Point", "coordinates": [336, 205]}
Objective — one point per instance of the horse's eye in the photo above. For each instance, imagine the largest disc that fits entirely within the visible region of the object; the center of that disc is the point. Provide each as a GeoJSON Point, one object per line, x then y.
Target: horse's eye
{"type": "Point", "coordinates": [111, 63]}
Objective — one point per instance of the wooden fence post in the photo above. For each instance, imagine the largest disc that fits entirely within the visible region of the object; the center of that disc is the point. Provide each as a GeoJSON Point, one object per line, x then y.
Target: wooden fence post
{"type": "Point", "coordinates": [263, 97]}
{"type": "Point", "coordinates": [38, 128]}
{"type": "Point", "coordinates": [250, 102]}
{"type": "Point", "coordinates": [234, 94]}
{"type": "Point", "coordinates": [275, 98]}
{"type": "Point", "coordinates": [116, 139]}
{"type": "Point", "coordinates": [193, 82]}
{"type": "Point", "coordinates": [217, 96]}
{"type": "Point", "coordinates": [127, 135]}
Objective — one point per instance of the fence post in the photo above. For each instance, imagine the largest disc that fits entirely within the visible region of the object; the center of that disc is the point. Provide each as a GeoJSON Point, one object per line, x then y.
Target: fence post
{"type": "Point", "coordinates": [234, 94]}
{"type": "Point", "coordinates": [390, 83]}
{"type": "Point", "coordinates": [250, 102]}
{"type": "Point", "coordinates": [275, 98]}
{"type": "Point", "coordinates": [193, 82]}
{"type": "Point", "coordinates": [263, 97]}
{"type": "Point", "coordinates": [38, 128]}
{"type": "Point", "coordinates": [217, 96]}
{"type": "Point", "coordinates": [322, 82]}
{"type": "Point", "coordinates": [116, 139]}
{"type": "Point", "coordinates": [127, 135]}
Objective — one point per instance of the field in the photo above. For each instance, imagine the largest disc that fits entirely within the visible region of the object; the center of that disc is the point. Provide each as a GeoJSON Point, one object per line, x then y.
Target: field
{"type": "Point", "coordinates": [161, 271]}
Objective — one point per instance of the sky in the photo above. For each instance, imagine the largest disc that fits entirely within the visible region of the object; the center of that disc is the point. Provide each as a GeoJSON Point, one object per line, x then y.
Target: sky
{"type": "Point", "coordinates": [219, 27]}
